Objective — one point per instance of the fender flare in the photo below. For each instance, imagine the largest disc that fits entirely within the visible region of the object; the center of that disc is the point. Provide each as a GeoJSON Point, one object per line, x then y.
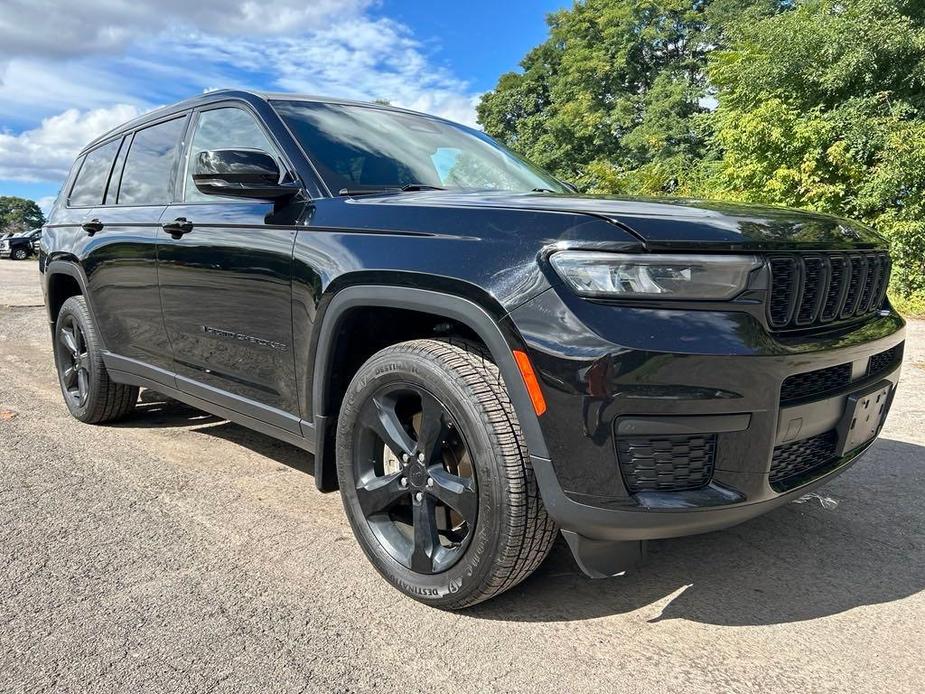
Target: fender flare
{"type": "Point", "coordinates": [73, 269]}
{"type": "Point", "coordinates": [449, 306]}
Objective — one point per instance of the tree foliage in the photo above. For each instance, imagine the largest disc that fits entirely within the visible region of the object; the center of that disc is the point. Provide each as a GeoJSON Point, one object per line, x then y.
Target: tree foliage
{"type": "Point", "coordinates": [19, 214]}
{"type": "Point", "coordinates": [817, 104]}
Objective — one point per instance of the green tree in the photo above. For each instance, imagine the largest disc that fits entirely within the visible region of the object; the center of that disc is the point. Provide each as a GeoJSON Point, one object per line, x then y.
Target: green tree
{"type": "Point", "coordinates": [19, 214]}
{"type": "Point", "coordinates": [614, 99]}
{"type": "Point", "coordinates": [817, 104]}
{"type": "Point", "coordinates": [822, 108]}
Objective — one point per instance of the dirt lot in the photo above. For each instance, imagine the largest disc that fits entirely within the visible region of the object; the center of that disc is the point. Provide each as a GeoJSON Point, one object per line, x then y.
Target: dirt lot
{"type": "Point", "coordinates": [178, 552]}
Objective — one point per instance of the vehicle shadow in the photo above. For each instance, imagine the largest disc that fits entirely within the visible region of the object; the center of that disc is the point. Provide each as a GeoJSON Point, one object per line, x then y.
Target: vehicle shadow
{"type": "Point", "coordinates": [796, 563]}
{"type": "Point", "coordinates": [157, 411]}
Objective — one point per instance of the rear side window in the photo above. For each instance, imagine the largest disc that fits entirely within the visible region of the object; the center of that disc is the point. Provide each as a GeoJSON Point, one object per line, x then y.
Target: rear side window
{"type": "Point", "coordinates": [150, 168]}
{"type": "Point", "coordinates": [90, 185]}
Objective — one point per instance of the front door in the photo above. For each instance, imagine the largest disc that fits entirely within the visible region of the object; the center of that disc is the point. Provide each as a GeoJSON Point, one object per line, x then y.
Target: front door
{"type": "Point", "coordinates": [224, 269]}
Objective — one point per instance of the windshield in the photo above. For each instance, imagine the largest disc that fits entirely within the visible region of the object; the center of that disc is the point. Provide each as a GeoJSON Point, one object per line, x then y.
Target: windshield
{"type": "Point", "coordinates": [357, 148]}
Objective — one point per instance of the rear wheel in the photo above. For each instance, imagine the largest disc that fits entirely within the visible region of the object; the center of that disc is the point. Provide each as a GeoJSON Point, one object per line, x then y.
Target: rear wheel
{"type": "Point", "coordinates": [90, 395]}
{"type": "Point", "coordinates": [20, 254]}
{"type": "Point", "coordinates": [435, 476]}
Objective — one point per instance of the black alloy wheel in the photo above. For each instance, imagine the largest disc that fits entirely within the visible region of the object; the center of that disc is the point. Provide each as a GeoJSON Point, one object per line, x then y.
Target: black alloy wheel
{"type": "Point", "coordinates": [73, 361]}
{"type": "Point", "coordinates": [416, 484]}
{"type": "Point", "coordinates": [89, 393]}
{"type": "Point", "coordinates": [435, 476]}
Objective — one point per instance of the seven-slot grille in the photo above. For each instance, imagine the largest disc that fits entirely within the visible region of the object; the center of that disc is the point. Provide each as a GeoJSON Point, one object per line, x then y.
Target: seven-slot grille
{"type": "Point", "coordinates": [825, 287]}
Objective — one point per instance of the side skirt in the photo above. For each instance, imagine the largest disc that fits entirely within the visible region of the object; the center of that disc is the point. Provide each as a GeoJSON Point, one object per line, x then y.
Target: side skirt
{"type": "Point", "coordinates": [136, 373]}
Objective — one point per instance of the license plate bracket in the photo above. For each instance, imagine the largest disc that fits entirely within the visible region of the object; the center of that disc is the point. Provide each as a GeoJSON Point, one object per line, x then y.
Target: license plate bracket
{"type": "Point", "coordinates": [865, 412]}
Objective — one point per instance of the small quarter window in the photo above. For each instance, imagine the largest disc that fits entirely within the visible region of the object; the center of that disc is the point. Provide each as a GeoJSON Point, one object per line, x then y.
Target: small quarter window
{"type": "Point", "coordinates": [90, 185]}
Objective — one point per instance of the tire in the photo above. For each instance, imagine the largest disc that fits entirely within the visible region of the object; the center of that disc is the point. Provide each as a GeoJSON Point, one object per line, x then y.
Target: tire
{"type": "Point", "coordinates": [89, 393]}
{"type": "Point", "coordinates": [476, 478]}
{"type": "Point", "coordinates": [19, 254]}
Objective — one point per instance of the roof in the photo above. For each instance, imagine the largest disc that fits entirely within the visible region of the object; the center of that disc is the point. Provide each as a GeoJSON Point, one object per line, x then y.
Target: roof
{"type": "Point", "coordinates": [245, 95]}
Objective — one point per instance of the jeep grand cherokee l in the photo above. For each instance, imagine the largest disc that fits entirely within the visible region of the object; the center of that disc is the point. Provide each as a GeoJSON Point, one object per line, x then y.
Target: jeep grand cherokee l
{"type": "Point", "coordinates": [476, 356]}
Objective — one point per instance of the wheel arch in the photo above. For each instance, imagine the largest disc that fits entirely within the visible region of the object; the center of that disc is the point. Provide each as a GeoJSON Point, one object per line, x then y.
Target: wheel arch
{"type": "Point", "coordinates": [62, 278]}
{"type": "Point", "coordinates": [446, 306]}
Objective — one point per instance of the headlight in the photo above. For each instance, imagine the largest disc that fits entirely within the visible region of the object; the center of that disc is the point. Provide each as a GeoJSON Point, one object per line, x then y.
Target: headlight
{"type": "Point", "coordinates": [704, 277]}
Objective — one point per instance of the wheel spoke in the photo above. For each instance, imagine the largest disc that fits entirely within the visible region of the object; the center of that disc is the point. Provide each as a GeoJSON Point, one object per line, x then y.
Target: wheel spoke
{"type": "Point", "coordinates": [82, 384]}
{"type": "Point", "coordinates": [380, 493]}
{"type": "Point", "coordinates": [433, 428]}
{"type": "Point", "coordinates": [383, 419]}
{"type": "Point", "coordinates": [456, 492]}
{"type": "Point", "coordinates": [426, 540]}
{"type": "Point", "coordinates": [69, 376]}
{"type": "Point", "coordinates": [83, 362]}
{"type": "Point", "coordinates": [69, 341]}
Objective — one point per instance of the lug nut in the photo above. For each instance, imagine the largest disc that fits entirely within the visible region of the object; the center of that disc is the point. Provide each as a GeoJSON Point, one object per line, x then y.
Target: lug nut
{"type": "Point", "coordinates": [418, 497]}
{"type": "Point", "coordinates": [420, 457]}
{"type": "Point", "coordinates": [404, 482]}
{"type": "Point", "coordinates": [404, 457]}
{"type": "Point", "coordinates": [430, 482]}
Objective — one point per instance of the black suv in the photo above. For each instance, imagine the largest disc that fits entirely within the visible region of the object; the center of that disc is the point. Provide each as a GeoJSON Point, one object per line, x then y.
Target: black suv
{"type": "Point", "coordinates": [20, 246]}
{"type": "Point", "coordinates": [476, 355]}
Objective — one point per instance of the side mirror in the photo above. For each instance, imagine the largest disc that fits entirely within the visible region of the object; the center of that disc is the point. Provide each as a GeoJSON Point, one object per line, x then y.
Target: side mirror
{"type": "Point", "coordinates": [240, 173]}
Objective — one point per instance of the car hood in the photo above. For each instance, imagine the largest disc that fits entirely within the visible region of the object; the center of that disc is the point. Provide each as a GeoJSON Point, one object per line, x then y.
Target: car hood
{"type": "Point", "coordinates": [673, 223]}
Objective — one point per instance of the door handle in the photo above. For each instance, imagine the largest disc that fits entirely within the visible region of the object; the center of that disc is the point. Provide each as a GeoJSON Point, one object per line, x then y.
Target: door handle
{"type": "Point", "coordinates": [178, 227]}
{"type": "Point", "coordinates": [92, 227]}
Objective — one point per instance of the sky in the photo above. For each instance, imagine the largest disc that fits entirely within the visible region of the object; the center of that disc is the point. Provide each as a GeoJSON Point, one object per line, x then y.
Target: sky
{"type": "Point", "coordinates": [67, 76]}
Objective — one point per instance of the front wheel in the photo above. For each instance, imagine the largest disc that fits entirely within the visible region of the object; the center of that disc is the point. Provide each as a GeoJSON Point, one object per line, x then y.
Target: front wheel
{"type": "Point", "coordinates": [20, 254]}
{"type": "Point", "coordinates": [435, 476]}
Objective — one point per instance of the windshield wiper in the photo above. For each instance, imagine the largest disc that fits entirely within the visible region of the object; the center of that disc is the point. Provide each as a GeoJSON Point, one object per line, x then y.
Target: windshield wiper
{"type": "Point", "coordinates": [419, 186]}
{"type": "Point", "coordinates": [365, 191]}
{"type": "Point", "coordinates": [407, 188]}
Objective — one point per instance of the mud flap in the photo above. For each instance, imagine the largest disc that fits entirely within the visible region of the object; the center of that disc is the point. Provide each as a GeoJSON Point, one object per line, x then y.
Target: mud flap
{"type": "Point", "coordinates": [604, 558]}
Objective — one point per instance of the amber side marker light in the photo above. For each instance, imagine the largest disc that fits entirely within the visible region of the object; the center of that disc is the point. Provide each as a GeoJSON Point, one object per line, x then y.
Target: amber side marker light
{"type": "Point", "coordinates": [530, 380]}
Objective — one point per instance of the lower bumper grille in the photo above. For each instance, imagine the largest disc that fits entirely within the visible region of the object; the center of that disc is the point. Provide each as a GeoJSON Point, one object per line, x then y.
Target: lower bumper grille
{"type": "Point", "coordinates": [666, 463]}
{"type": "Point", "coordinates": [833, 379]}
{"type": "Point", "coordinates": [792, 462]}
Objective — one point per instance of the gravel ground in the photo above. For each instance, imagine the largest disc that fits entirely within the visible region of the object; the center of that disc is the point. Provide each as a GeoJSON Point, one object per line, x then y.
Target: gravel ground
{"type": "Point", "coordinates": [178, 552]}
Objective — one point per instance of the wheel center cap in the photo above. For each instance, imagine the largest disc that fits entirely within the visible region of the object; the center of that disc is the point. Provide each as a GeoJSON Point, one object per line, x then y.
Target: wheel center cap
{"type": "Point", "coordinates": [417, 474]}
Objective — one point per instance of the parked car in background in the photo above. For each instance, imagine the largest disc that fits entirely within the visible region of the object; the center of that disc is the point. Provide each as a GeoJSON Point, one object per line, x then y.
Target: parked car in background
{"type": "Point", "coordinates": [477, 356]}
{"type": "Point", "coordinates": [21, 246]}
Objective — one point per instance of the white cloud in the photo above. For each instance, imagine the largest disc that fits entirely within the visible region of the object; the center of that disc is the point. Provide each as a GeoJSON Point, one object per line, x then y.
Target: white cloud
{"type": "Point", "coordinates": [45, 204]}
{"type": "Point", "coordinates": [49, 28]}
{"type": "Point", "coordinates": [160, 51]}
{"type": "Point", "coordinates": [360, 58]}
{"type": "Point", "coordinates": [46, 153]}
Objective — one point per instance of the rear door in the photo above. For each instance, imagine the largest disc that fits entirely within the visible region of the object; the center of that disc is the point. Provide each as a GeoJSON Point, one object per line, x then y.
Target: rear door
{"type": "Point", "coordinates": [121, 255]}
{"type": "Point", "coordinates": [226, 283]}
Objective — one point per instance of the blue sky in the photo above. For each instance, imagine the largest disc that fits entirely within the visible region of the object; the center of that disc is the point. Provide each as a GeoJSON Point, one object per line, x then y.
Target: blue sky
{"type": "Point", "coordinates": [66, 77]}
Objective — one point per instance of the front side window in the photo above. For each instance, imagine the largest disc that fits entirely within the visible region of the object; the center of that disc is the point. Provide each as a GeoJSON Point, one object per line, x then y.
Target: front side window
{"type": "Point", "coordinates": [223, 128]}
{"type": "Point", "coordinates": [150, 167]}
{"type": "Point", "coordinates": [360, 147]}
{"type": "Point", "coordinates": [90, 185]}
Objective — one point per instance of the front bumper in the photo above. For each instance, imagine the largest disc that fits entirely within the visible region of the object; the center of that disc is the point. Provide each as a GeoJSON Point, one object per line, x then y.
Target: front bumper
{"type": "Point", "coordinates": [608, 371]}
